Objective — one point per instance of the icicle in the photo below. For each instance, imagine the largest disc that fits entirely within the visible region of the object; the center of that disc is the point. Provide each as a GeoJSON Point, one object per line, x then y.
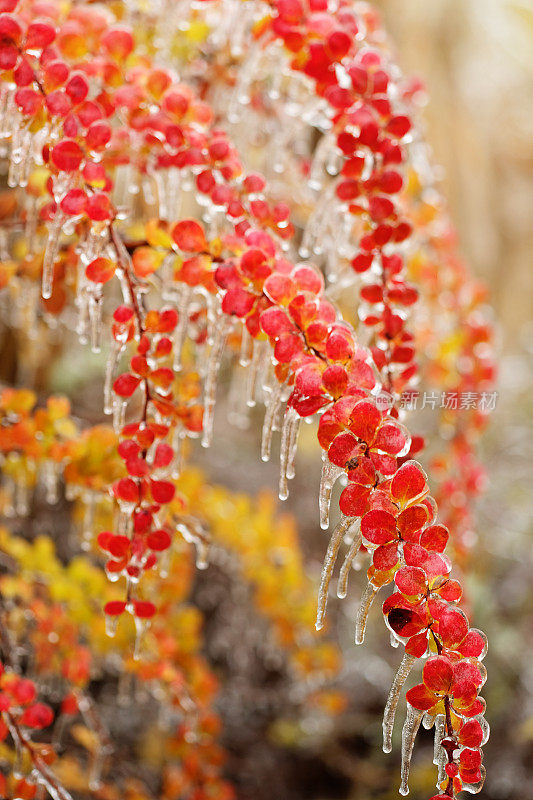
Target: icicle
{"type": "Point", "coordinates": [200, 540]}
{"type": "Point", "coordinates": [475, 788]}
{"type": "Point", "coordinates": [50, 255]}
{"type": "Point", "coordinates": [50, 474]}
{"type": "Point", "coordinates": [213, 367]}
{"type": "Point", "coordinates": [409, 731]}
{"type": "Point", "coordinates": [293, 448]}
{"type": "Point", "coordinates": [255, 366]}
{"type": "Point", "coordinates": [342, 585]}
{"type": "Point", "coordinates": [202, 554]}
{"type": "Point", "coordinates": [20, 159]}
{"type": "Point", "coordinates": [22, 498]}
{"type": "Point", "coordinates": [269, 422]}
{"type": "Point", "coordinates": [119, 414]}
{"type": "Point", "coordinates": [178, 437]}
{"type": "Point", "coordinates": [328, 567]}
{"type": "Point", "coordinates": [428, 720]}
{"type": "Point", "coordinates": [8, 509]}
{"type": "Point", "coordinates": [141, 626]}
{"type": "Point", "coordinates": [4, 244]}
{"type": "Point", "coordinates": [117, 348]}
{"type": "Point", "coordinates": [89, 501]}
{"type": "Point", "coordinates": [401, 676]}
{"type": "Point", "coordinates": [439, 753]}
{"type": "Point", "coordinates": [291, 421]}
{"type": "Point", "coordinates": [330, 473]}
{"type": "Point", "coordinates": [183, 300]}
{"type": "Point", "coordinates": [97, 765]}
{"type": "Point", "coordinates": [82, 302]}
{"type": "Point", "coordinates": [247, 347]}
{"type": "Point", "coordinates": [362, 614]}
{"type": "Point", "coordinates": [95, 321]}
{"type": "Point", "coordinates": [30, 225]}
{"type": "Point", "coordinates": [111, 625]}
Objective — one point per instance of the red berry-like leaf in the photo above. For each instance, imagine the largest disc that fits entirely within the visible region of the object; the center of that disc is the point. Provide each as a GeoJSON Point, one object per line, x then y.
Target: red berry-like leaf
{"type": "Point", "coordinates": [125, 384]}
{"type": "Point", "coordinates": [114, 608]}
{"type": "Point", "coordinates": [67, 155]}
{"type": "Point", "coordinates": [37, 716]}
{"type": "Point", "coordinates": [408, 484]}
{"type": "Point", "coordinates": [438, 674]}
{"type": "Point", "coordinates": [101, 270]}
{"type": "Point", "coordinates": [189, 236]}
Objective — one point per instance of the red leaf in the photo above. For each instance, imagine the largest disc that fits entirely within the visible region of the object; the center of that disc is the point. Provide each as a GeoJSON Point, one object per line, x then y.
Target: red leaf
{"type": "Point", "coordinates": [364, 421]}
{"type": "Point", "coordinates": [420, 697]}
{"type": "Point", "coordinates": [189, 236]}
{"type": "Point", "coordinates": [100, 270]}
{"type": "Point", "coordinates": [438, 674]}
{"type": "Point", "coordinates": [162, 491]}
{"type": "Point", "coordinates": [378, 527]}
{"type": "Point", "coordinates": [37, 716]}
{"type": "Point", "coordinates": [125, 384]}
{"type": "Point", "coordinates": [409, 483]}
{"type": "Point", "coordinates": [411, 581]}
{"type": "Point", "coordinates": [114, 608]}
{"type": "Point", "coordinates": [354, 500]}
{"type": "Point", "coordinates": [143, 609]}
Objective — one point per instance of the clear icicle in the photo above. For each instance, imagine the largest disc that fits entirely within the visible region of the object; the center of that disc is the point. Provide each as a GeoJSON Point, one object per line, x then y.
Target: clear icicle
{"type": "Point", "coordinates": [328, 567]}
{"type": "Point", "coordinates": [95, 321]}
{"type": "Point", "coordinates": [194, 534]}
{"type": "Point", "coordinates": [401, 676]}
{"type": "Point", "coordinates": [50, 254]}
{"type": "Point", "coordinates": [409, 731]}
{"type": "Point", "coordinates": [256, 364]}
{"type": "Point", "coordinates": [247, 347]}
{"type": "Point", "coordinates": [330, 473]}
{"type": "Point", "coordinates": [269, 422]}
{"type": "Point", "coordinates": [116, 351]}
{"type": "Point", "coordinates": [291, 420]}
{"type": "Point", "coordinates": [293, 448]}
{"type": "Point", "coordinates": [439, 753]}
{"type": "Point", "coordinates": [22, 498]}
{"type": "Point", "coordinates": [362, 613]}
{"type": "Point", "coordinates": [344, 574]}
{"type": "Point", "coordinates": [50, 475]}
{"type": "Point", "coordinates": [119, 414]}
{"type": "Point", "coordinates": [111, 625]}
{"type": "Point", "coordinates": [178, 437]}
{"type": "Point", "coordinates": [141, 626]}
{"type": "Point", "coordinates": [213, 367]}
{"type": "Point", "coordinates": [183, 301]}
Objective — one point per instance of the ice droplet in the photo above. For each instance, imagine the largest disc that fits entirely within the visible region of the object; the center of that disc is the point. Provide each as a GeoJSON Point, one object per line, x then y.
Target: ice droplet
{"type": "Point", "coordinates": [213, 366]}
{"type": "Point", "coordinates": [439, 753]}
{"type": "Point", "coordinates": [289, 432]}
{"type": "Point", "coordinates": [50, 254]}
{"type": "Point", "coordinates": [362, 614]}
{"type": "Point", "coordinates": [269, 423]}
{"type": "Point", "coordinates": [117, 348]}
{"type": "Point", "coordinates": [410, 729]}
{"type": "Point", "coordinates": [111, 625]}
{"type": "Point", "coordinates": [401, 676]}
{"type": "Point", "coordinates": [328, 567]}
{"type": "Point", "coordinates": [344, 574]}
{"type": "Point", "coordinates": [182, 304]}
{"type": "Point", "coordinates": [330, 473]}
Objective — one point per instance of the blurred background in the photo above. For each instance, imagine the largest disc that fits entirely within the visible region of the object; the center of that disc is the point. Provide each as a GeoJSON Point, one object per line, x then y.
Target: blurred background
{"type": "Point", "coordinates": [476, 59]}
